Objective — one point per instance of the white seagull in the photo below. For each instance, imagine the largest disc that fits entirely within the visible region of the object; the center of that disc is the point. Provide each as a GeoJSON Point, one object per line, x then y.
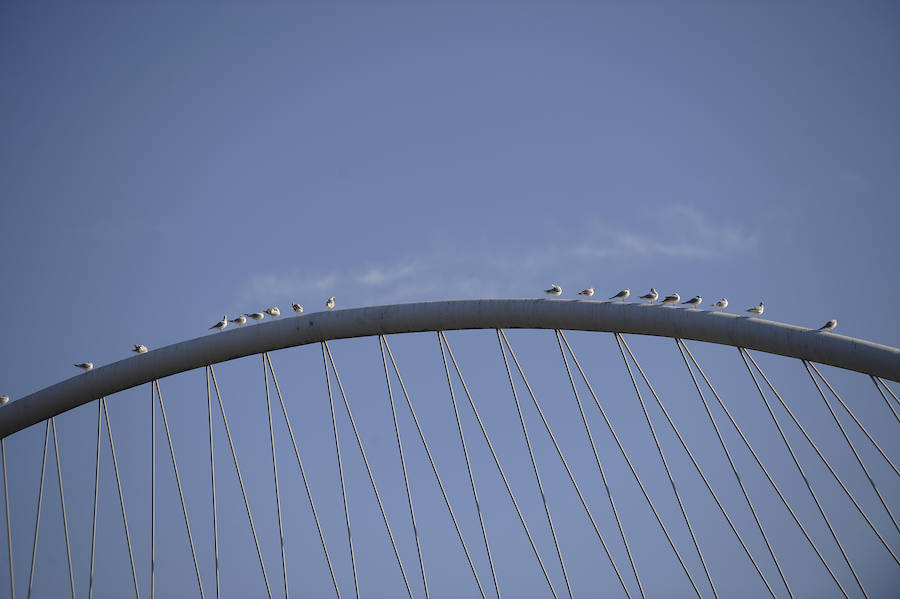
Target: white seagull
{"type": "Point", "coordinates": [4, 399]}
{"type": "Point", "coordinates": [274, 312]}
{"type": "Point", "coordinates": [297, 308]}
{"type": "Point", "coordinates": [652, 296]}
{"type": "Point", "coordinates": [757, 310]}
{"type": "Point", "coordinates": [829, 326]}
{"type": "Point", "coordinates": [139, 349]}
{"type": "Point", "coordinates": [221, 324]}
{"type": "Point", "coordinates": [554, 290]}
{"type": "Point", "coordinates": [85, 366]}
{"type": "Point", "coordinates": [330, 303]}
{"type": "Point", "coordinates": [721, 304]}
{"type": "Point", "coordinates": [671, 299]}
{"type": "Point", "coordinates": [622, 295]}
{"type": "Point", "coordinates": [241, 320]}
{"type": "Point", "coordinates": [255, 315]}
{"type": "Point", "coordinates": [694, 301]}
{"type": "Point", "coordinates": [587, 292]}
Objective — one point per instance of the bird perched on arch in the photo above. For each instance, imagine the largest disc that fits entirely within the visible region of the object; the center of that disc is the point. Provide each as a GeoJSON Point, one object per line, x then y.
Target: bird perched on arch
{"type": "Point", "coordinates": [622, 295]}
{"type": "Point", "coordinates": [4, 399]}
{"type": "Point", "coordinates": [85, 366]}
{"type": "Point", "coordinates": [757, 310]}
{"type": "Point", "coordinates": [721, 304]}
{"type": "Point", "coordinates": [241, 320]}
{"type": "Point", "coordinates": [587, 292]}
{"type": "Point", "coordinates": [555, 290]}
{"type": "Point", "coordinates": [829, 326]}
{"type": "Point", "coordinates": [671, 299]}
{"type": "Point", "coordinates": [296, 308]}
{"type": "Point", "coordinates": [652, 296]}
{"type": "Point", "coordinates": [255, 315]}
{"type": "Point", "coordinates": [330, 303]}
{"type": "Point", "coordinates": [694, 301]}
{"type": "Point", "coordinates": [274, 312]}
{"type": "Point", "coordinates": [139, 349]}
{"type": "Point", "coordinates": [221, 324]}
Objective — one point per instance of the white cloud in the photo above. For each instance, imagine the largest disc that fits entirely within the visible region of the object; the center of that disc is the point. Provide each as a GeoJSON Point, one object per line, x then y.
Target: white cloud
{"type": "Point", "coordinates": [679, 232]}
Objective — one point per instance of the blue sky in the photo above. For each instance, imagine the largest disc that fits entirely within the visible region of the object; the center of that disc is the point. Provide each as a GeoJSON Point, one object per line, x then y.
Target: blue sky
{"type": "Point", "coordinates": [163, 165]}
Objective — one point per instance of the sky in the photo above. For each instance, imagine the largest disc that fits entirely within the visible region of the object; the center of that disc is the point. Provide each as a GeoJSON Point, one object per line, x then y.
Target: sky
{"type": "Point", "coordinates": [162, 165]}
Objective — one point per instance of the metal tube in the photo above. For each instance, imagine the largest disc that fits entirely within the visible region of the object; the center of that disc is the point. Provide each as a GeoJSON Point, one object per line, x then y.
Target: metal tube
{"type": "Point", "coordinates": [700, 325]}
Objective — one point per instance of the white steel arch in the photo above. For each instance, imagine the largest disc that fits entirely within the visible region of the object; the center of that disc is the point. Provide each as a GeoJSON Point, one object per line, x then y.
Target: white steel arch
{"type": "Point", "coordinates": [584, 315]}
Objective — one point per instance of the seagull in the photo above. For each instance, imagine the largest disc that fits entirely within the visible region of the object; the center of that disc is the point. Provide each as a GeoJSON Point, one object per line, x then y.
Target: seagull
{"type": "Point", "coordinates": [554, 290]}
{"type": "Point", "coordinates": [587, 292]}
{"type": "Point", "coordinates": [694, 301]}
{"type": "Point", "coordinates": [139, 349]}
{"type": "Point", "coordinates": [240, 320]}
{"type": "Point", "coordinates": [757, 310]}
{"type": "Point", "coordinates": [671, 299]}
{"type": "Point", "coordinates": [721, 304]}
{"type": "Point", "coordinates": [652, 296]}
{"type": "Point", "coordinates": [829, 326]}
{"type": "Point", "coordinates": [4, 399]}
{"type": "Point", "coordinates": [256, 315]}
{"type": "Point", "coordinates": [274, 312]}
{"type": "Point", "coordinates": [85, 366]}
{"type": "Point", "coordinates": [330, 303]}
{"type": "Point", "coordinates": [221, 324]}
{"type": "Point", "coordinates": [622, 295]}
{"type": "Point", "coordinates": [297, 308]}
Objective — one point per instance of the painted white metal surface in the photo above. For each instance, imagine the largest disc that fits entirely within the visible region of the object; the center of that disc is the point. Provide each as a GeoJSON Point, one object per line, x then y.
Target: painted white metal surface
{"type": "Point", "coordinates": [584, 315]}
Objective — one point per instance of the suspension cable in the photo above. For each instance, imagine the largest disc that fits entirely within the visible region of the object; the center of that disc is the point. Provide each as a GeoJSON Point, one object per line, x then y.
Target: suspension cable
{"type": "Point", "coordinates": [855, 419]}
{"type": "Point", "coordinates": [802, 473]}
{"type": "Point", "coordinates": [537, 476]}
{"type": "Point", "coordinates": [441, 484]}
{"type": "Point", "coordinates": [265, 356]}
{"type": "Point", "coordinates": [559, 452]}
{"type": "Point", "coordinates": [849, 441]}
{"type": "Point", "coordinates": [442, 341]}
{"type": "Point", "coordinates": [697, 467]}
{"type": "Point", "coordinates": [631, 467]}
{"type": "Point", "coordinates": [368, 468]}
{"type": "Point", "coordinates": [822, 458]}
{"type": "Point", "coordinates": [62, 501]}
{"type": "Point", "coordinates": [12, 580]}
{"type": "Point", "coordinates": [96, 496]}
{"type": "Point", "coordinates": [606, 486]}
{"type": "Point", "coordinates": [112, 449]}
{"type": "Point", "coordinates": [237, 469]}
{"type": "Point", "coordinates": [37, 520]}
{"type": "Point", "coordinates": [888, 389]}
{"type": "Point", "coordinates": [765, 470]}
{"type": "Point", "coordinates": [665, 464]}
{"type": "Point", "coordinates": [187, 523]}
{"type": "Point", "coordinates": [152, 493]}
{"type": "Point", "coordinates": [212, 475]}
{"type": "Point", "coordinates": [412, 512]}
{"type": "Point", "coordinates": [337, 447]}
{"type": "Point", "coordinates": [887, 402]}
{"type": "Point", "coordinates": [312, 505]}
{"type": "Point", "coordinates": [712, 420]}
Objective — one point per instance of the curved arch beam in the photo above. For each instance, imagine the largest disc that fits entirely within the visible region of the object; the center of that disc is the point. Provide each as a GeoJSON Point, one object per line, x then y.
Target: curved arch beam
{"type": "Point", "coordinates": [584, 315]}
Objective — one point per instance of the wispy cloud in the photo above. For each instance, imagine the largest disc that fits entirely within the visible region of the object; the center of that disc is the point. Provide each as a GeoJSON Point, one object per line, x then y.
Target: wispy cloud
{"type": "Point", "coordinates": [679, 232]}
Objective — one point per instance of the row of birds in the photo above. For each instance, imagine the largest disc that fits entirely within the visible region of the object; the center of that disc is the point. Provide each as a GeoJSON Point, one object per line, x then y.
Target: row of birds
{"type": "Point", "coordinates": [555, 291]}
{"type": "Point", "coordinates": [653, 295]}
{"type": "Point", "coordinates": [272, 311]}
